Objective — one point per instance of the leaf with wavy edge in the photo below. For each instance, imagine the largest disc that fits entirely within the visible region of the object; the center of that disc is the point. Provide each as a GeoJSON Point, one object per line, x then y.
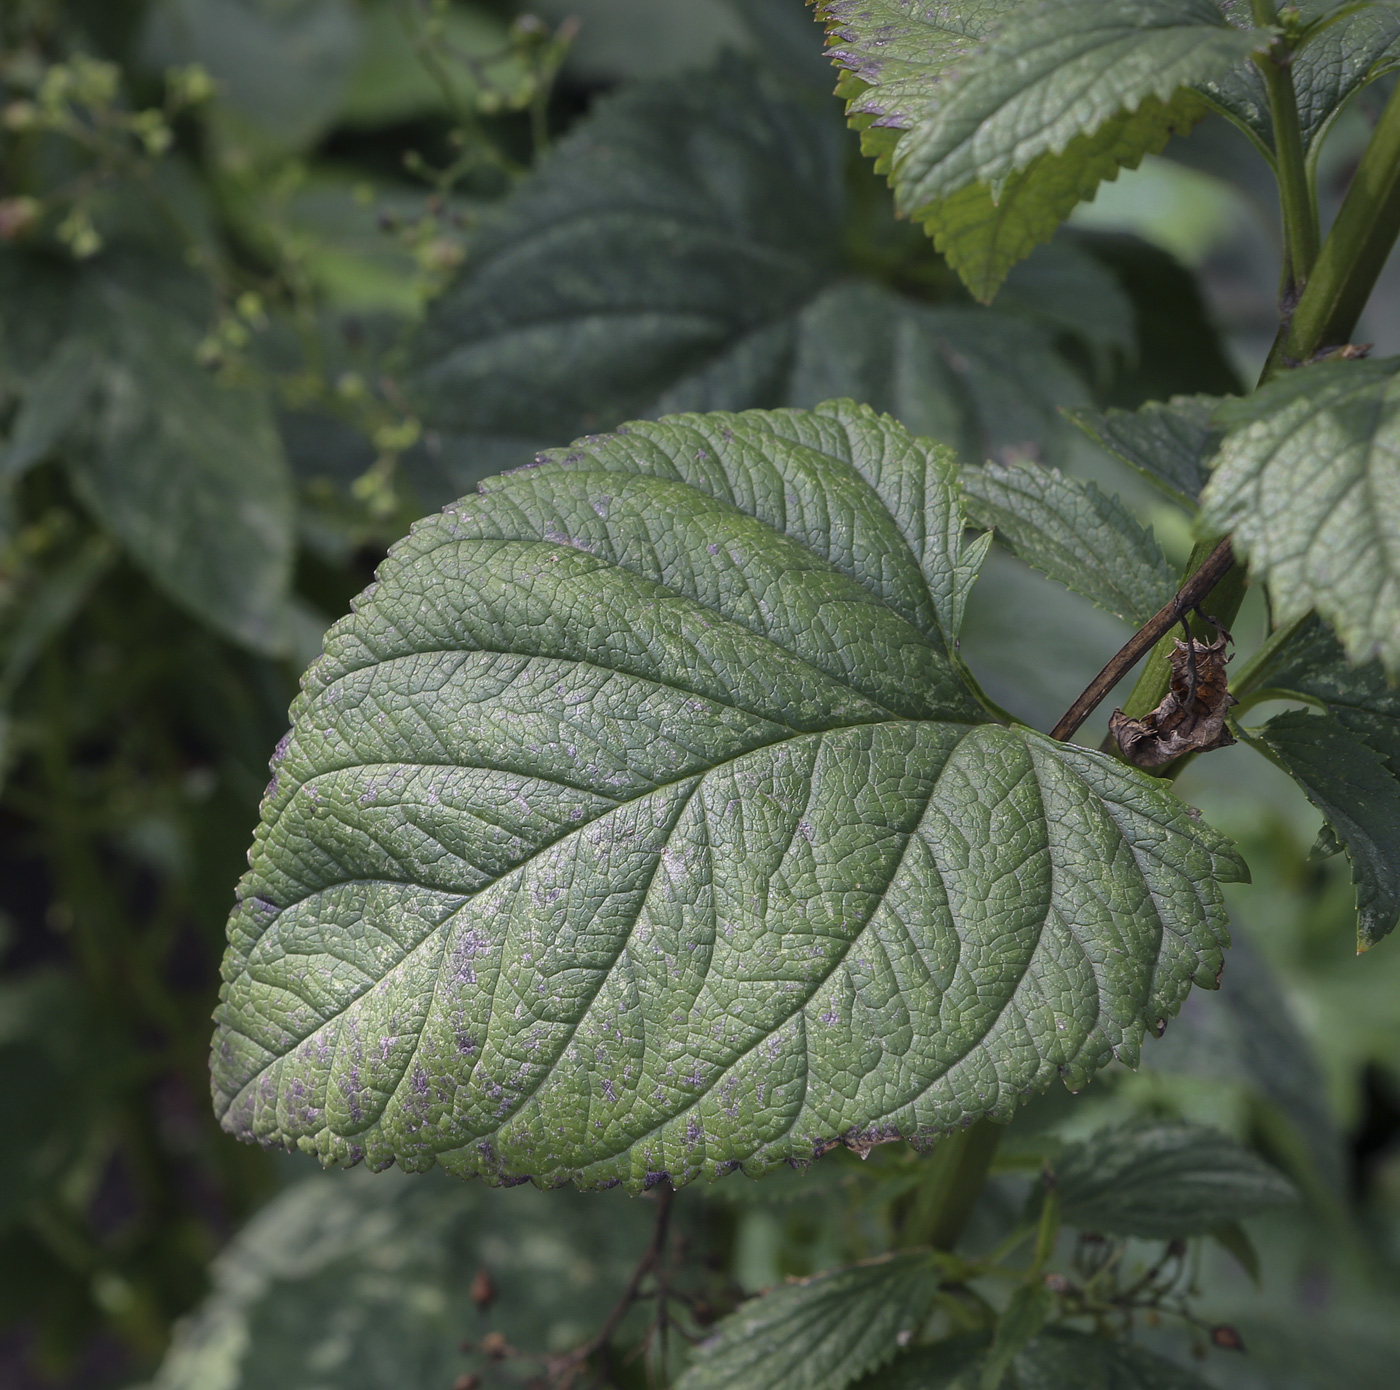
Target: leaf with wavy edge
{"type": "Point", "coordinates": [640, 822]}
{"type": "Point", "coordinates": [820, 1333]}
{"type": "Point", "coordinates": [1074, 532]}
{"type": "Point", "coordinates": [1359, 795]}
{"type": "Point", "coordinates": [1169, 442]}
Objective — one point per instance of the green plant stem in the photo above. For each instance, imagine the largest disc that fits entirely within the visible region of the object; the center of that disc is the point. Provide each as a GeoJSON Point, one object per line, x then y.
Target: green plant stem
{"type": "Point", "coordinates": [1225, 600]}
{"type": "Point", "coordinates": [1248, 676]}
{"type": "Point", "coordinates": [1296, 198]}
{"type": "Point", "coordinates": [1204, 572]}
{"type": "Point", "coordinates": [1353, 255]}
{"type": "Point", "coordinates": [953, 1177]}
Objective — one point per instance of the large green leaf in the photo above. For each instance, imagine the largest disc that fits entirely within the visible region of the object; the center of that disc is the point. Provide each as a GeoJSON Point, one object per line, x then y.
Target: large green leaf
{"type": "Point", "coordinates": [1308, 480]}
{"type": "Point", "coordinates": [1169, 443]}
{"type": "Point", "coordinates": [639, 821]}
{"type": "Point", "coordinates": [1163, 1178]}
{"type": "Point", "coordinates": [1075, 533]}
{"type": "Point", "coordinates": [683, 250]}
{"type": "Point", "coordinates": [1330, 69]}
{"type": "Point", "coordinates": [1032, 119]}
{"type": "Point", "coordinates": [360, 1282]}
{"type": "Point", "coordinates": [1359, 794]}
{"type": "Point", "coordinates": [822, 1333]}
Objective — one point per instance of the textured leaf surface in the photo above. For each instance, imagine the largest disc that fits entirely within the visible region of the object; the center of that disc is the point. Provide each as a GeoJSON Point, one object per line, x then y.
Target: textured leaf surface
{"type": "Point", "coordinates": [822, 1333]}
{"type": "Point", "coordinates": [984, 383]}
{"type": "Point", "coordinates": [639, 822]}
{"type": "Point", "coordinates": [682, 250]}
{"type": "Point", "coordinates": [1032, 119]}
{"type": "Point", "coordinates": [900, 51]}
{"type": "Point", "coordinates": [1359, 794]}
{"type": "Point", "coordinates": [1308, 480]}
{"type": "Point", "coordinates": [1327, 73]}
{"type": "Point", "coordinates": [360, 1281]}
{"type": "Point", "coordinates": [1169, 443]}
{"type": "Point", "coordinates": [1056, 1360]}
{"type": "Point", "coordinates": [1158, 1179]}
{"type": "Point", "coordinates": [1360, 698]}
{"type": "Point", "coordinates": [1075, 533]}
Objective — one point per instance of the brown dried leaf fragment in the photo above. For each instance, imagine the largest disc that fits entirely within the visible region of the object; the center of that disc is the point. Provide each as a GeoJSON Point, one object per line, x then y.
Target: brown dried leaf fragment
{"type": "Point", "coordinates": [1192, 717]}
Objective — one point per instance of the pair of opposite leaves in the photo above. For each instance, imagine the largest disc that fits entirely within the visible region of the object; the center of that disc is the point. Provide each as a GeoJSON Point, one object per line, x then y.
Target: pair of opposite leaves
{"type": "Point", "coordinates": [643, 820]}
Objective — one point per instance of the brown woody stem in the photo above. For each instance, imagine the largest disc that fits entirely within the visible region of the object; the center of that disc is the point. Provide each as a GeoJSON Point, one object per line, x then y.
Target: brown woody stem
{"type": "Point", "coordinates": [1192, 593]}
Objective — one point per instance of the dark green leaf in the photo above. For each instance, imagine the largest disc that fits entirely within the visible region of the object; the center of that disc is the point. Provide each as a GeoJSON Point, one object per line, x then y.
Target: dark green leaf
{"type": "Point", "coordinates": [1359, 794]}
{"type": "Point", "coordinates": [55, 1068]}
{"type": "Point", "coordinates": [1158, 1179]}
{"type": "Point", "coordinates": [682, 250]}
{"type": "Point", "coordinates": [363, 1281]}
{"type": "Point", "coordinates": [953, 1364]}
{"type": "Point", "coordinates": [1253, 1037]}
{"type": "Point", "coordinates": [1179, 348]}
{"type": "Point", "coordinates": [1056, 1360]}
{"type": "Point", "coordinates": [188, 474]}
{"type": "Point", "coordinates": [1233, 1237]}
{"type": "Point", "coordinates": [1076, 534]}
{"type": "Point", "coordinates": [1063, 1360]}
{"type": "Point", "coordinates": [58, 393]}
{"type": "Point", "coordinates": [822, 1333]}
{"type": "Point", "coordinates": [1360, 698]}
{"type": "Point", "coordinates": [1308, 481]}
{"type": "Point", "coordinates": [639, 822]}
{"type": "Point", "coordinates": [1170, 445]}
{"type": "Point", "coordinates": [999, 150]}
{"type": "Point", "coordinates": [1329, 70]}
{"type": "Point", "coordinates": [48, 609]}
{"type": "Point", "coordinates": [983, 383]}
{"type": "Point", "coordinates": [788, 40]}
{"type": "Point", "coordinates": [1024, 1316]}
{"type": "Point", "coordinates": [1066, 288]}
{"type": "Point", "coordinates": [283, 66]}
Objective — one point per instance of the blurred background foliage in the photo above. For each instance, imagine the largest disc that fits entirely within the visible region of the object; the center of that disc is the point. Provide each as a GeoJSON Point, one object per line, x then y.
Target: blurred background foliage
{"type": "Point", "coordinates": [277, 277]}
